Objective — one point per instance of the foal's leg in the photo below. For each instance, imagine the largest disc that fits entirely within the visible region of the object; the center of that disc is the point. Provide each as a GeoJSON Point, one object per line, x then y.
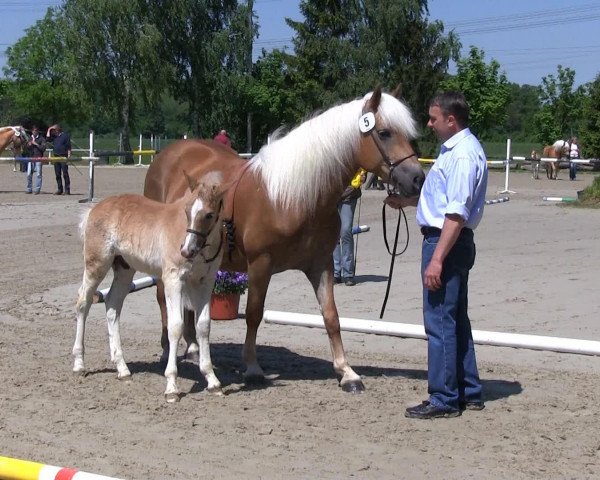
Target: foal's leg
{"type": "Point", "coordinates": [201, 300]}
{"type": "Point", "coordinates": [114, 303]}
{"type": "Point", "coordinates": [189, 332]}
{"type": "Point", "coordinates": [173, 292]}
{"type": "Point", "coordinates": [92, 276]}
{"type": "Point", "coordinates": [322, 282]}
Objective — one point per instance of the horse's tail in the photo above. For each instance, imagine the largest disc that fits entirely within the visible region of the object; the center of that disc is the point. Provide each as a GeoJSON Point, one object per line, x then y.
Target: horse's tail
{"type": "Point", "coordinates": [83, 220]}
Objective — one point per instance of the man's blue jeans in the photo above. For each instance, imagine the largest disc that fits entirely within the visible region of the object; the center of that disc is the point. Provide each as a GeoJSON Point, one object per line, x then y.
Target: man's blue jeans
{"type": "Point", "coordinates": [37, 168]}
{"type": "Point", "coordinates": [343, 255]}
{"type": "Point", "coordinates": [452, 367]}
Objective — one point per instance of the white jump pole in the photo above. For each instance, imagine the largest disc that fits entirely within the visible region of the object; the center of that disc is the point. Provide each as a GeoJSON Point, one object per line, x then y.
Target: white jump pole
{"type": "Point", "coordinates": [507, 162]}
{"type": "Point", "coordinates": [91, 170]}
{"type": "Point", "coordinates": [405, 330]}
{"type": "Point", "coordinates": [138, 284]}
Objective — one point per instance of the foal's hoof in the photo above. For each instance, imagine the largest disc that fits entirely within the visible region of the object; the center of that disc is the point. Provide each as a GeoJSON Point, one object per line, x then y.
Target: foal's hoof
{"type": "Point", "coordinates": [356, 386]}
{"type": "Point", "coordinates": [172, 397]}
{"type": "Point", "coordinates": [217, 391]}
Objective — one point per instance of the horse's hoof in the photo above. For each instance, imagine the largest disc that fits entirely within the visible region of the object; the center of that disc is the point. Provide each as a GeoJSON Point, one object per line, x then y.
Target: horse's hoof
{"type": "Point", "coordinates": [255, 379]}
{"type": "Point", "coordinates": [80, 372]}
{"type": "Point", "coordinates": [172, 397]}
{"type": "Point", "coordinates": [124, 376]}
{"type": "Point", "coordinates": [218, 391]}
{"type": "Point", "coordinates": [356, 386]}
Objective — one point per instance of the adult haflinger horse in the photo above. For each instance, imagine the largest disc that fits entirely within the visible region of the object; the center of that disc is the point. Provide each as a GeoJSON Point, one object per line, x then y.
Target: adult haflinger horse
{"type": "Point", "coordinates": [283, 208]}
{"type": "Point", "coordinates": [15, 138]}
{"type": "Point", "coordinates": [558, 150]}
{"type": "Point", "coordinates": [180, 242]}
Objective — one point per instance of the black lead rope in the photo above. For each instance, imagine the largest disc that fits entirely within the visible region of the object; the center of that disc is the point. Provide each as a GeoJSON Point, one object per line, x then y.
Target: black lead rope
{"type": "Point", "coordinates": [393, 252]}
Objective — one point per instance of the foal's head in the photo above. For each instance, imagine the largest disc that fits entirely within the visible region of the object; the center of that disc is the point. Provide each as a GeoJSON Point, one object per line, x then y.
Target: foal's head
{"type": "Point", "coordinates": [203, 206]}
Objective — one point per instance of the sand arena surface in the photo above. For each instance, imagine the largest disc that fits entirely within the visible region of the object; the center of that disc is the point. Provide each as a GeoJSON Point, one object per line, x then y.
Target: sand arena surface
{"type": "Point", "coordinates": [536, 272]}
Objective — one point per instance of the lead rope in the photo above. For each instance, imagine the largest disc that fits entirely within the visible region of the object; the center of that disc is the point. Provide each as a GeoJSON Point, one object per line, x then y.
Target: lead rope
{"type": "Point", "coordinates": [357, 236]}
{"type": "Point", "coordinates": [393, 252]}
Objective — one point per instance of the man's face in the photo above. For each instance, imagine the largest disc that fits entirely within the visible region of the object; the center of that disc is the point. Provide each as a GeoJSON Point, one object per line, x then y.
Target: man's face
{"type": "Point", "coordinates": [444, 127]}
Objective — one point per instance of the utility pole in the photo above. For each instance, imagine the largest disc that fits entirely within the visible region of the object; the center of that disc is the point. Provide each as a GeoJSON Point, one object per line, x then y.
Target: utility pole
{"type": "Point", "coordinates": [249, 73]}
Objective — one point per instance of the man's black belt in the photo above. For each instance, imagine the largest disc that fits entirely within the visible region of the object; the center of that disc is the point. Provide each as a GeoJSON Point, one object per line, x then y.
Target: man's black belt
{"type": "Point", "coordinates": [426, 231]}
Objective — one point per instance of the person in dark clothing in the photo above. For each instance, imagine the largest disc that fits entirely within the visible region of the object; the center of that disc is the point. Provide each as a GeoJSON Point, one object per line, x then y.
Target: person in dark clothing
{"type": "Point", "coordinates": [35, 149]}
{"type": "Point", "coordinates": [61, 144]}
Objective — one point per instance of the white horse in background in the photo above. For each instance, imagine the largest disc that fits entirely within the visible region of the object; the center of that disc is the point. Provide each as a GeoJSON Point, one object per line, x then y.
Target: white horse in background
{"type": "Point", "coordinates": [179, 242]}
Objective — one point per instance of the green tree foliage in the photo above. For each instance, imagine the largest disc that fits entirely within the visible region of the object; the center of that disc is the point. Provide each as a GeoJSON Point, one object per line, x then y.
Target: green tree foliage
{"type": "Point", "coordinates": [590, 121]}
{"type": "Point", "coordinates": [560, 110]}
{"type": "Point", "coordinates": [485, 88]}
{"type": "Point", "coordinates": [343, 48]}
{"type": "Point", "coordinates": [520, 112]}
{"type": "Point", "coordinates": [207, 43]}
{"type": "Point", "coordinates": [112, 50]}
{"type": "Point", "coordinates": [40, 87]}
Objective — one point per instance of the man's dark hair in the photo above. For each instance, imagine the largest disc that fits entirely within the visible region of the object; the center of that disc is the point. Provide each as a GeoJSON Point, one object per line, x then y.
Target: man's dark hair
{"type": "Point", "coordinates": [453, 103]}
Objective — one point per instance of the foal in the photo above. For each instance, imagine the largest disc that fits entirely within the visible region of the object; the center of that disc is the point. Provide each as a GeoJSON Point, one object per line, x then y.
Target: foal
{"type": "Point", "coordinates": [180, 242]}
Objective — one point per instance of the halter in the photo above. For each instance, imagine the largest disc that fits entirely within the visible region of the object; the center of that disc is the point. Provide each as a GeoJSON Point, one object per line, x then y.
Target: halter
{"type": "Point", "coordinates": [378, 144]}
{"type": "Point", "coordinates": [204, 236]}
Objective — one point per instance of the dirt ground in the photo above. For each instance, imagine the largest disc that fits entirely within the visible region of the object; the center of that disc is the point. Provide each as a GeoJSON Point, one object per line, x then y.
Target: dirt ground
{"type": "Point", "coordinates": [536, 272]}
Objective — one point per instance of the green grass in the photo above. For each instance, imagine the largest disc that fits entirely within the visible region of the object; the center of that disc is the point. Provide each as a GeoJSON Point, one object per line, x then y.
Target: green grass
{"type": "Point", "coordinates": [590, 196]}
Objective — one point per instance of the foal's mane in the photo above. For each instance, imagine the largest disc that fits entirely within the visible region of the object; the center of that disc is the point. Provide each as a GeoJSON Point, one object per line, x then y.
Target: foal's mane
{"type": "Point", "coordinates": [308, 162]}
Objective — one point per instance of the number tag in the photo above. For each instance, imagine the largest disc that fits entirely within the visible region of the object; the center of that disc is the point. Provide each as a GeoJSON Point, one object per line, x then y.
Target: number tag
{"type": "Point", "coordinates": [366, 123]}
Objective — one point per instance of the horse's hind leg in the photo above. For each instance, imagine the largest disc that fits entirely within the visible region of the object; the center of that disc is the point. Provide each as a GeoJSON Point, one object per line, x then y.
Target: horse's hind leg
{"type": "Point", "coordinates": [123, 275]}
{"type": "Point", "coordinates": [322, 282]}
{"type": "Point", "coordinates": [92, 276]}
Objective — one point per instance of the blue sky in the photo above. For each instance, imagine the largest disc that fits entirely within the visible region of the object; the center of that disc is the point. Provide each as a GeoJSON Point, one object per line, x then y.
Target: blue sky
{"type": "Point", "coordinates": [528, 37]}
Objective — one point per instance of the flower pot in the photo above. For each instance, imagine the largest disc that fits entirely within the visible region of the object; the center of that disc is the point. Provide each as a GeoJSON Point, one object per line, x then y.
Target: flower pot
{"type": "Point", "coordinates": [224, 307]}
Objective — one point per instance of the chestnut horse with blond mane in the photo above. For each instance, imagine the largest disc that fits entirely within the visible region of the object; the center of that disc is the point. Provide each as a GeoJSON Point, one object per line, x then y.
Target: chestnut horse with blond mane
{"type": "Point", "coordinates": [558, 150]}
{"type": "Point", "coordinates": [282, 210]}
{"type": "Point", "coordinates": [15, 138]}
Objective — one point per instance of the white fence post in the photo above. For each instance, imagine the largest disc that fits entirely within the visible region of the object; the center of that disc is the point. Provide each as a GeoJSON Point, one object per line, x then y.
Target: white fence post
{"type": "Point", "coordinates": [507, 162]}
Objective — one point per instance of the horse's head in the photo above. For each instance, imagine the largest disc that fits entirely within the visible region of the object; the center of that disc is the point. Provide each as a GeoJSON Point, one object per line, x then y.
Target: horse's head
{"type": "Point", "coordinates": [203, 207]}
{"type": "Point", "coordinates": [387, 129]}
{"type": "Point", "coordinates": [19, 139]}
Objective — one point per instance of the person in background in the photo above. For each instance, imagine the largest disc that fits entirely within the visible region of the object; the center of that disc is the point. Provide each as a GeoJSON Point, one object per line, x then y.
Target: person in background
{"type": "Point", "coordinates": [223, 137]}
{"type": "Point", "coordinates": [449, 209]}
{"type": "Point", "coordinates": [36, 147]}
{"type": "Point", "coordinates": [343, 255]}
{"type": "Point", "coordinates": [574, 153]}
{"type": "Point", "coordinates": [535, 165]}
{"type": "Point", "coordinates": [61, 145]}
{"type": "Point", "coordinates": [373, 182]}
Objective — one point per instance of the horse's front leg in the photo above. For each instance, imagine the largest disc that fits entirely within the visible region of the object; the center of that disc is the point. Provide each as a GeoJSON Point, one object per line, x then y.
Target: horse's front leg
{"type": "Point", "coordinates": [259, 276]}
{"type": "Point", "coordinates": [201, 302]}
{"type": "Point", "coordinates": [173, 292]}
{"type": "Point", "coordinates": [322, 282]}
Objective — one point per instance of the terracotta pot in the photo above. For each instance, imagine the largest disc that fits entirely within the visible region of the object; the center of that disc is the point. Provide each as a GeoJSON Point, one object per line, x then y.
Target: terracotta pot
{"type": "Point", "coordinates": [224, 307]}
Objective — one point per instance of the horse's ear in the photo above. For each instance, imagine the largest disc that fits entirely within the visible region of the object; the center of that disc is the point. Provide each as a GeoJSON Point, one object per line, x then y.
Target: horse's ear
{"type": "Point", "coordinates": [397, 93]}
{"type": "Point", "coordinates": [373, 103]}
{"type": "Point", "coordinates": [192, 183]}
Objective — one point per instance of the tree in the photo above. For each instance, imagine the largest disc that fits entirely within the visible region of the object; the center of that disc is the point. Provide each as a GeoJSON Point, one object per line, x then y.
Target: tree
{"type": "Point", "coordinates": [561, 106]}
{"type": "Point", "coordinates": [485, 88]}
{"type": "Point", "coordinates": [590, 123]}
{"type": "Point", "coordinates": [207, 43]}
{"type": "Point", "coordinates": [112, 49]}
{"type": "Point", "coordinates": [524, 104]}
{"type": "Point", "coordinates": [40, 87]}
{"type": "Point", "coordinates": [344, 48]}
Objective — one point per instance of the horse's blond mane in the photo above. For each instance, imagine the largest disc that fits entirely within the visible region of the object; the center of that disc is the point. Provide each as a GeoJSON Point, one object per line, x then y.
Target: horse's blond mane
{"type": "Point", "coordinates": [307, 163]}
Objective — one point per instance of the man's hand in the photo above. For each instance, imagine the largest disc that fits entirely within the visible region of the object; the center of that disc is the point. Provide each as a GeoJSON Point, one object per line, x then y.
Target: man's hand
{"type": "Point", "coordinates": [432, 276]}
{"type": "Point", "coordinates": [398, 202]}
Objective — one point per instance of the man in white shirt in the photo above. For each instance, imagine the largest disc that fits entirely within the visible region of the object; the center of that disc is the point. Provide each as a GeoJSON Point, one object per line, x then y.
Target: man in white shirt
{"type": "Point", "coordinates": [449, 208]}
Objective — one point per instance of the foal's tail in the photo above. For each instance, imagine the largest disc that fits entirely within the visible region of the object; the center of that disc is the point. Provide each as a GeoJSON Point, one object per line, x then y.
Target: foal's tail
{"type": "Point", "coordinates": [85, 214]}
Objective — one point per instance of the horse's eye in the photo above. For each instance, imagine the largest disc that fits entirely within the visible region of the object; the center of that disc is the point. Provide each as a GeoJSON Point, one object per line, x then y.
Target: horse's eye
{"type": "Point", "coordinates": [384, 134]}
{"type": "Point", "coordinates": [209, 216]}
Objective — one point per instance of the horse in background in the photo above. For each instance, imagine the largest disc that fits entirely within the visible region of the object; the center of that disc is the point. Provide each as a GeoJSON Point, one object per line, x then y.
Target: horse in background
{"type": "Point", "coordinates": [179, 242]}
{"type": "Point", "coordinates": [282, 211]}
{"type": "Point", "coordinates": [14, 138]}
{"type": "Point", "coordinates": [558, 150]}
